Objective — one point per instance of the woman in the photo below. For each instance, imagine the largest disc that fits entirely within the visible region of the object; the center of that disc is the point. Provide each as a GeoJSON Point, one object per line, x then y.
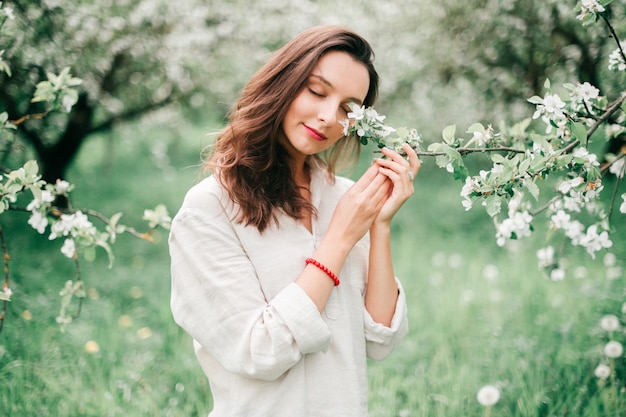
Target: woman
{"type": "Point", "coordinates": [282, 271]}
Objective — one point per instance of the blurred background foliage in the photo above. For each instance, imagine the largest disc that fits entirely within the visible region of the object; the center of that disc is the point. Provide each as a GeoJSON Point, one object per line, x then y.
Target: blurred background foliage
{"type": "Point", "coordinates": [158, 75]}
{"type": "Point", "coordinates": [441, 62]}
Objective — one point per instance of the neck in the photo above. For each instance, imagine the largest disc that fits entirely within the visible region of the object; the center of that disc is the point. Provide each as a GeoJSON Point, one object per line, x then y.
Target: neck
{"type": "Point", "coordinates": [302, 174]}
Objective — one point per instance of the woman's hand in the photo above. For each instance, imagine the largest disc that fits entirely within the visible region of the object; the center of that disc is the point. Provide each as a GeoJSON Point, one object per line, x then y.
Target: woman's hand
{"type": "Point", "coordinates": [400, 173]}
{"type": "Point", "coordinates": [360, 205]}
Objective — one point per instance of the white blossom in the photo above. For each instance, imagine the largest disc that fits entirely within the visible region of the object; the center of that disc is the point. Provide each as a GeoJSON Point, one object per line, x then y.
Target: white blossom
{"type": "Point", "coordinates": [7, 291]}
{"type": "Point", "coordinates": [357, 113]}
{"type": "Point", "coordinates": [557, 274]}
{"type": "Point", "coordinates": [586, 91]}
{"type": "Point", "coordinates": [72, 225]}
{"type": "Point", "coordinates": [481, 138]}
{"type": "Point", "coordinates": [545, 256]}
{"type": "Point", "coordinates": [468, 188]}
{"type": "Point", "coordinates": [518, 225]}
{"type": "Point", "coordinates": [622, 207]}
{"type": "Point", "coordinates": [45, 197]}
{"type": "Point", "coordinates": [62, 187]}
{"type": "Point", "coordinates": [574, 231]}
{"type": "Point", "coordinates": [69, 248]}
{"type": "Point", "coordinates": [618, 167]}
{"type": "Point", "coordinates": [616, 61]}
{"type": "Point", "coordinates": [590, 158]}
{"type": "Point", "coordinates": [594, 241]}
{"type": "Point", "coordinates": [38, 221]}
{"type": "Point", "coordinates": [560, 220]}
{"type": "Point", "coordinates": [589, 7]}
{"type": "Point", "coordinates": [567, 185]}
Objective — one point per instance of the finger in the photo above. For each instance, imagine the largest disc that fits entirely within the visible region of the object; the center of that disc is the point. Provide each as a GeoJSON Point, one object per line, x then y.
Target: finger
{"type": "Point", "coordinates": [394, 156]}
{"type": "Point", "coordinates": [414, 160]}
{"type": "Point", "coordinates": [402, 168]}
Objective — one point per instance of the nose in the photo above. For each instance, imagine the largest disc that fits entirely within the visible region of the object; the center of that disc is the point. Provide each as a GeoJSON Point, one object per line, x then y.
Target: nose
{"type": "Point", "coordinates": [328, 113]}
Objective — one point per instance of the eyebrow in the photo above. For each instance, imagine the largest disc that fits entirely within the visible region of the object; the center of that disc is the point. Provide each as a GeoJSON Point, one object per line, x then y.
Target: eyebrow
{"type": "Point", "coordinates": [328, 83]}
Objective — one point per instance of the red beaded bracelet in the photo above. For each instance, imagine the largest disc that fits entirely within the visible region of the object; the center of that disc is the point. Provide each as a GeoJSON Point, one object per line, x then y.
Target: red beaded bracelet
{"type": "Point", "coordinates": [328, 272]}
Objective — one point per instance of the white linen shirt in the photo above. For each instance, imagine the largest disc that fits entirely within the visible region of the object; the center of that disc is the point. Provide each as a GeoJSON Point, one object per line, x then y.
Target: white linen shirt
{"type": "Point", "coordinates": [261, 341]}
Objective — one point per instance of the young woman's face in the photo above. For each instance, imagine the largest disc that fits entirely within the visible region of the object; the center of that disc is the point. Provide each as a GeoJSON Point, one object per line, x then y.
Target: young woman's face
{"type": "Point", "coordinates": [311, 124]}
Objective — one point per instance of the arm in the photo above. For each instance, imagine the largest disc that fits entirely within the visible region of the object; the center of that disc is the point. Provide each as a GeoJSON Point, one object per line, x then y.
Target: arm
{"type": "Point", "coordinates": [382, 290]}
{"type": "Point", "coordinates": [352, 218]}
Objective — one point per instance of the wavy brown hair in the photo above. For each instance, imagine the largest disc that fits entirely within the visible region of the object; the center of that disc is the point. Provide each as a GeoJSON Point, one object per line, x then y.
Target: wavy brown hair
{"type": "Point", "coordinates": [248, 159]}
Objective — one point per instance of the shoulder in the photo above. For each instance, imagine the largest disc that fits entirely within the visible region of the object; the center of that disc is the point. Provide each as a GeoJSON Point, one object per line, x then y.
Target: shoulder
{"type": "Point", "coordinates": [207, 198]}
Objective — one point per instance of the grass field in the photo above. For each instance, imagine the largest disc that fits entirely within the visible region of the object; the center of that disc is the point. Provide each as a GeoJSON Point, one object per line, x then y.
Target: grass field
{"type": "Point", "coordinates": [479, 314]}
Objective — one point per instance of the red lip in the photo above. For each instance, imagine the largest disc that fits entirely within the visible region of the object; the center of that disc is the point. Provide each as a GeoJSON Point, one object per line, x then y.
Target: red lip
{"type": "Point", "coordinates": [315, 134]}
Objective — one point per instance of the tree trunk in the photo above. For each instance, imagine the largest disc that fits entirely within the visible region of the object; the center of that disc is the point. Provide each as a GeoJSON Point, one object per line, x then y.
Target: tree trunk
{"type": "Point", "coordinates": [55, 159]}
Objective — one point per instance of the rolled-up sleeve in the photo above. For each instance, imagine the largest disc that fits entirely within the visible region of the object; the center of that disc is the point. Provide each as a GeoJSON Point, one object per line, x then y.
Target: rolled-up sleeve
{"type": "Point", "coordinates": [380, 339]}
{"type": "Point", "coordinates": [216, 298]}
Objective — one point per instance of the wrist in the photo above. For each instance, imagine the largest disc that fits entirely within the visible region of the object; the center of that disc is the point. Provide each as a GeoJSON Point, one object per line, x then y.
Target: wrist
{"type": "Point", "coordinates": [380, 229]}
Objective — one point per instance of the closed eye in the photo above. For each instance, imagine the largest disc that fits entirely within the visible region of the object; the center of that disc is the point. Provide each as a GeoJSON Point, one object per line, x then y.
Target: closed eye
{"type": "Point", "coordinates": [315, 93]}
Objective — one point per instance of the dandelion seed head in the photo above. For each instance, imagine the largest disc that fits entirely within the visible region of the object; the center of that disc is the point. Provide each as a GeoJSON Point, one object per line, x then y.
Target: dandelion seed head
{"type": "Point", "coordinates": [488, 395]}
{"type": "Point", "coordinates": [609, 322]}
{"type": "Point", "coordinates": [602, 371]}
{"type": "Point", "coordinates": [613, 349]}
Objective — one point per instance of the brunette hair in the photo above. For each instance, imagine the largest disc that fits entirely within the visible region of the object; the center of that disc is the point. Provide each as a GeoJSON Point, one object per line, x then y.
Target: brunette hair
{"type": "Point", "coordinates": [248, 159]}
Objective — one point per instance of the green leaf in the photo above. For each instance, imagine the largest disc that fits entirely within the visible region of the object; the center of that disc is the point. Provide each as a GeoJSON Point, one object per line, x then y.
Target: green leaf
{"type": "Point", "coordinates": [448, 134]}
{"type": "Point", "coordinates": [476, 127]}
{"type": "Point", "coordinates": [497, 158]}
{"type": "Point", "coordinates": [532, 188]}
{"type": "Point", "coordinates": [535, 100]}
{"type": "Point", "coordinates": [460, 171]}
{"type": "Point", "coordinates": [579, 132]}
{"type": "Point", "coordinates": [402, 132]}
{"type": "Point", "coordinates": [89, 253]}
{"type": "Point", "coordinates": [493, 204]}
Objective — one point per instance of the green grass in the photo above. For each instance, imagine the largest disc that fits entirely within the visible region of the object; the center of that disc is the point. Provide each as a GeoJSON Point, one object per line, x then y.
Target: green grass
{"type": "Point", "coordinates": [537, 340]}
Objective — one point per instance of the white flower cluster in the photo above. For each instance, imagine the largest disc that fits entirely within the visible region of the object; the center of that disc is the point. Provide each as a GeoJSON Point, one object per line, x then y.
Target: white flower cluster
{"type": "Point", "coordinates": [556, 113]}
{"type": "Point", "coordinates": [616, 59]}
{"type": "Point", "coordinates": [588, 7]}
{"type": "Point", "coordinates": [592, 239]}
{"type": "Point", "coordinates": [367, 125]}
{"type": "Point", "coordinates": [473, 184]}
{"type": "Point", "coordinates": [622, 207]}
{"type": "Point", "coordinates": [71, 226]}
{"type": "Point", "coordinates": [583, 94]}
{"type": "Point", "coordinates": [517, 225]}
{"type": "Point", "coordinates": [551, 110]}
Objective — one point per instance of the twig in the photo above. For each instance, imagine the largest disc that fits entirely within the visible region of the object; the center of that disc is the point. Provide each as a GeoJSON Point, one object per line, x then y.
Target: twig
{"type": "Point", "coordinates": [614, 34]}
{"type": "Point", "coordinates": [6, 257]}
{"type": "Point", "coordinates": [30, 116]}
